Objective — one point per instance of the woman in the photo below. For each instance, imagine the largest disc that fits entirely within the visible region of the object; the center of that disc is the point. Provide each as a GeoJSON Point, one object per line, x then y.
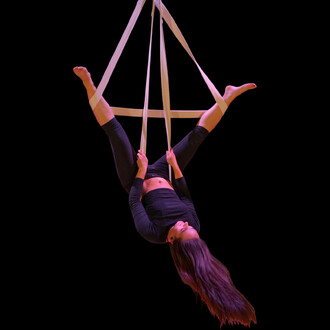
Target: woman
{"type": "Point", "coordinates": [163, 211]}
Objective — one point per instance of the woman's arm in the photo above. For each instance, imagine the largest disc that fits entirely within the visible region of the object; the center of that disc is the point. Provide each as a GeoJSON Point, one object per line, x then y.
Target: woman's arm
{"type": "Point", "coordinates": [171, 159]}
{"type": "Point", "coordinates": [142, 162]}
{"type": "Point", "coordinates": [179, 184]}
{"type": "Point", "coordinates": [142, 222]}
{"type": "Point", "coordinates": [181, 188]}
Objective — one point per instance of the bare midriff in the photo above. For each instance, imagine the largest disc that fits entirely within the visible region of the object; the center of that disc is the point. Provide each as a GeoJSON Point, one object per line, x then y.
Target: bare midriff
{"type": "Point", "coordinates": [155, 183]}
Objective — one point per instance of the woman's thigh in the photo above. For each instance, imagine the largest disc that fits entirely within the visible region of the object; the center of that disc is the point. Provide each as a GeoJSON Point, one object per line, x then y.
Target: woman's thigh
{"type": "Point", "coordinates": [184, 150]}
{"type": "Point", "coordinates": [123, 153]}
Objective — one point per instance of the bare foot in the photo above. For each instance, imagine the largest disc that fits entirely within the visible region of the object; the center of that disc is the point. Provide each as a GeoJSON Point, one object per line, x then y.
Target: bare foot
{"type": "Point", "coordinates": [83, 74]}
{"type": "Point", "coordinates": [231, 92]}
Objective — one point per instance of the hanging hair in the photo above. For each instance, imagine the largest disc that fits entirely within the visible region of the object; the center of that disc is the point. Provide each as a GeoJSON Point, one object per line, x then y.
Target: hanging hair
{"type": "Point", "coordinates": [211, 281]}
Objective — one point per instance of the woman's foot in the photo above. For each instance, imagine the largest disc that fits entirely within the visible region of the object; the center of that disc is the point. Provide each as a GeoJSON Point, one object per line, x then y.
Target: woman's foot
{"type": "Point", "coordinates": [102, 109]}
{"type": "Point", "coordinates": [86, 78]}
{"type": "Point", "coordinates": [231, 92]}
{"type": "Point", "coordinates": [83, 74]}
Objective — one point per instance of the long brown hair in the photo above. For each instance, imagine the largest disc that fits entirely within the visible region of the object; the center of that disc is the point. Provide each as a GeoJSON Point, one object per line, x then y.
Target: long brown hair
{"type": "Point", "coordinates": [210, 279]}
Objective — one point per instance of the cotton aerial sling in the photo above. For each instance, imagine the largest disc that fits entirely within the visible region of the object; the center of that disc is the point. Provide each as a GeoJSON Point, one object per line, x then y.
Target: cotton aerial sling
{"type": "Point", "coordinates": [166, 112]}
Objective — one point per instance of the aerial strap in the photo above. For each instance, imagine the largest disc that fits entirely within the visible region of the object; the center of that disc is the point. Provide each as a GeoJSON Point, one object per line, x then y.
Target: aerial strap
{"type": "Point", "coordinates": [167, 113]}
{"type": "Point", "coordinates": [165, 85]}
{"type": "Point", "coordinates": [176, 31]}
{"type": "Point", "coordinates": [115, 57]}
{"type": "Point", "coordinates": [143, 142]}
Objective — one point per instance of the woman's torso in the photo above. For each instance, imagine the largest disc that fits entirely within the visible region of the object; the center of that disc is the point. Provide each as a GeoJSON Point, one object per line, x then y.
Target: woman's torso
{"type": "Point", "coordinates": [155, 183]}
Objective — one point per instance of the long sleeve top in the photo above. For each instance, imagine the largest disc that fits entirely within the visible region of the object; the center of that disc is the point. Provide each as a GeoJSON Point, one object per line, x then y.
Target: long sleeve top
{"type": "Point", "coordinates": [160, 209]}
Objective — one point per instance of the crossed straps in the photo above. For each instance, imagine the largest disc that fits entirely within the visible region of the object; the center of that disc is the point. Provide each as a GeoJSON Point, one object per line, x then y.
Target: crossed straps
{"type": "Point", "coordinates": [166, 113]}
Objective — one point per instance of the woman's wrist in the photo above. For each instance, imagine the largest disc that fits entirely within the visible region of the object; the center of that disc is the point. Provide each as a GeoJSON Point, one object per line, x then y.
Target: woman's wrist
{"type": "Point", "coordinates": [141, 173]}
{"type": "Point", "coordinates": [177, 173]}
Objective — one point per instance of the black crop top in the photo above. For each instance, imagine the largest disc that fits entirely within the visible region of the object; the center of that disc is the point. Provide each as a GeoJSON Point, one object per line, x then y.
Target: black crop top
{"type": "Point", "coordinates": [160, 209]}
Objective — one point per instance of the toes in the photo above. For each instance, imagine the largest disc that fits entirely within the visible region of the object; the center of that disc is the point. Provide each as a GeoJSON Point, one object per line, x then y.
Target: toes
{"type": "Point", "coordinates": [81, 72]}
{"type": "Point", "coordinates": [252, 86]}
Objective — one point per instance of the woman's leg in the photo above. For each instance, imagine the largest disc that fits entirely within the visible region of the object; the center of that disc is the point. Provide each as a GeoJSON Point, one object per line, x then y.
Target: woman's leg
{"type": "Point", "coordinates": [123, 153]}
{"type": "Point", "coordinates": [103, 112]}
{"type": "Point", "coordinates": [211, 118]}
{"type": "Point", "coordinates": [187, 147]}
{"type": "Point", "coordinates": [184, 151]}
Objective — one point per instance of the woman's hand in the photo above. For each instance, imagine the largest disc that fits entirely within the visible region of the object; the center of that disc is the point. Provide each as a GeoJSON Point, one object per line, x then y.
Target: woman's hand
{"type": "Point", "coordinates": [142, 162]}
{"type": "Point", "coordinates": [171, 159]}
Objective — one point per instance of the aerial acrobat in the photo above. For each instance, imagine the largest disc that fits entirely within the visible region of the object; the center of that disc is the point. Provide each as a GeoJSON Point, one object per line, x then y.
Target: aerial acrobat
{"type": "Point", "coordinates": [162, 207]}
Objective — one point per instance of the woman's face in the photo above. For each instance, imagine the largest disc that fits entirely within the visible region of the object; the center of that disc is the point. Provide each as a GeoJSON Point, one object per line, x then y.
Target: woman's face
{"type": "Point", "coordinates": [181, 230]}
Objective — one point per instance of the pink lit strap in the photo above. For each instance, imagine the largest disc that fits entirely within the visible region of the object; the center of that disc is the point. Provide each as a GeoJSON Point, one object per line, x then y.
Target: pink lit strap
{"type": "Point", "coordinates": [145, 112]}
{"type": "Point", "coordinates": [108, 72]}
{"type": "Point", "coordinates": [176, 31]}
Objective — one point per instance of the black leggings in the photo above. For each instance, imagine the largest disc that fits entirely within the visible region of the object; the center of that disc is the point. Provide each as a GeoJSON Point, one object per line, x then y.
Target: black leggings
{"type": "Point", "coordinates": [125, 156]}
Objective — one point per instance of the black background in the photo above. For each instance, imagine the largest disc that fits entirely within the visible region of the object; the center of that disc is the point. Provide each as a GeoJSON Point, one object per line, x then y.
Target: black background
{"type": "Point", "coordinates": [84, 263]}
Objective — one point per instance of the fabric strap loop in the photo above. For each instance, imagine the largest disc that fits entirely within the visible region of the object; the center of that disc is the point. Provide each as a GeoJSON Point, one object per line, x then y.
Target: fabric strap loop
{"type": "Point", "coordinates": [165, 85]}
{"type": "Point", "coordinates": [143, 142]}
{"type": "Point", "coordinates": [176, 31]}
{"type": "Point", "coordinates": [167, 114]}
{"type": "Point", "coordinates": [115, 57]}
